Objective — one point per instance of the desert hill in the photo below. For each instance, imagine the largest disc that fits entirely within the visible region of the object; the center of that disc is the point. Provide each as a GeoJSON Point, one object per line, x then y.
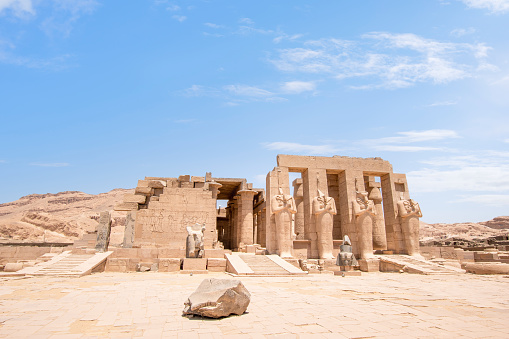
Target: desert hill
{"type": "Point", "coordinates": [59, 217]}
{"type": "Point", "coordinates": [65, 216]}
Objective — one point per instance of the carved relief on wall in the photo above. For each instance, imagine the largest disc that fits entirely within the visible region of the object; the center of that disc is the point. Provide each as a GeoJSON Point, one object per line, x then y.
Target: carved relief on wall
{"type": "Point", "coordinates": [160, 221]}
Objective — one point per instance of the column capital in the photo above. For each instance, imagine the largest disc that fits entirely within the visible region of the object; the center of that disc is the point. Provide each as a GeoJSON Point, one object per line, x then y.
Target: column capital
{"type": "Point", "coordinates": [247, 194]}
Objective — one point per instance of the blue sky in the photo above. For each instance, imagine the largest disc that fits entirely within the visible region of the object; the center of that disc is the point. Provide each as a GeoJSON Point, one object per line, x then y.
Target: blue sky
{"type": "Point", "coordinates": [95, 95]}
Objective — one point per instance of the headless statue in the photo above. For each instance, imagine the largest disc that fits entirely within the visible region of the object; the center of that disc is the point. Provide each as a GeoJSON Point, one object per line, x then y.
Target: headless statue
{"type": "Point", "coordinates": [194, 243]}
{"type": "Point", "coordinates": [346, 259]}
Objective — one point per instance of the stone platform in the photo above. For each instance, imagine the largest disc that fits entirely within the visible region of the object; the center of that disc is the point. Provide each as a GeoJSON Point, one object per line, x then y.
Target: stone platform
{"type": "Point", "coordinates": [149, 305]}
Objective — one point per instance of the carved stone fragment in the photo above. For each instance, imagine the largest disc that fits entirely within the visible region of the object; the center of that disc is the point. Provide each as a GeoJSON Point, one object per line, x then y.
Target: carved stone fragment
{"type": "Point", "coordinates": [216, 298]}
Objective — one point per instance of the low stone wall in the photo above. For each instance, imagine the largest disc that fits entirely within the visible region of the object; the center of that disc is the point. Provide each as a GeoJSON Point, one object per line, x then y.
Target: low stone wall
{"type": "Point", "coordinates": [13, 254]}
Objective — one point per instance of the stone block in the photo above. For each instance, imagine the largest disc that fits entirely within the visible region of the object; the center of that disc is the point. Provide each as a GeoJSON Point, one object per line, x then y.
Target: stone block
{"type": "Point", "coordinates": [139, 199]}
{"type": "Point", "coordinates": [171, 253]}
{"type": "Point", "coordinates": [169, 264]}
{"type": "Point", "coordinates": [144, 190]}
{"type": "Point", "coordinates": [157, 184]}
{"type": "Point", "coordinates": [195, 264]}
{"type": "Point", "coordinates": [184, 178]}
{"type": "Point", "coordinates": [186, 184]}
{"type": "Point", "coordinates": [148, 254]}
{"type": "Point", "coordinates": [468, 256]}
{"type": "Point", "coordinates": [13, 267]}
{"type": "Point", "coordinates": [215, 253]}
{"type": "Point", "coordinates": [197, 179]}
{"type": "Point", "coordinates": [369, 265]}
{"type": "Point", "coordinates": [126, 206]}
{"type": "Point", "coordinates": [486, 268]}
{"type": "Point", "coordinates": [128, 253]}
{"type": "Point", "coordinates": [294, 262]}
{"type": "Point", "coordinates": [216, 262]}
{"type": "Point", "coordinates": [132, 264]}
{"type": "Point", "coordinates": [142, 183]}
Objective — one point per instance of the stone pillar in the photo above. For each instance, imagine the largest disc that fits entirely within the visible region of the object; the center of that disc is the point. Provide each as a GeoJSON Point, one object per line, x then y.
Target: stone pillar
{"type": "Point", "coordinates": [262, 228]}
{"type": "Point", "coordinates": [246, 217]}
{"type": "Point", "coordinates": [324, 208]}
{"type": "Point", "coordinates": [410, 212]}
{"type": "Point", "coordinates": [313, 179]}
{"type": "Point", "coordinates": [255, 228]}
{"type": "Point", "coordinates": [235, 224]}
{"type": "Point", "coordinates": [129, 230]}
{"type": "Point", "coordinates": [228, 234]}
{"type": "Point", "coordinates": [103, 232]}
{"type": "Point", "coordinates": [364, 210]}
{"type": "Point", "coordinates": [277, 178]}
{"type": "Point", "coordinates": [298, 195]}
{"type": "Point", "coordinates": [379, 236]}
{"type": "Point", "coordinates": [392, 223]}
{"type": "Point", "coordinates": [214, 188]}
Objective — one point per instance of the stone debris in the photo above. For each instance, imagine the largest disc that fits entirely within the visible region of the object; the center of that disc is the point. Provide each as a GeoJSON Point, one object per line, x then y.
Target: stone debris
{"type": "Point", "coordinates": [217, 298]}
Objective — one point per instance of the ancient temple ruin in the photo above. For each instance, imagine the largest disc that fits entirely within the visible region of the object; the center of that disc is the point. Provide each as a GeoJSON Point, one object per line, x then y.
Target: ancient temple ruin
{"type": "Point", "coordinates": [333, 197]}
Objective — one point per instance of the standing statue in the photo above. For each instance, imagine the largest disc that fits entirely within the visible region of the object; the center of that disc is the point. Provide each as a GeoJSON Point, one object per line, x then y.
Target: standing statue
{"type": "Point", "coordinates": [346, 259]}
{"type": "Point", "coordinates": [365, 212]}
{"type": "Point", "coordinates": [194, 243]}
{"type": "Point", "coordinates": [324, 208]}
{"type": "Point", "coordinates": [283, 206]}
{"type": "Point", "coordinates": [410, 212]}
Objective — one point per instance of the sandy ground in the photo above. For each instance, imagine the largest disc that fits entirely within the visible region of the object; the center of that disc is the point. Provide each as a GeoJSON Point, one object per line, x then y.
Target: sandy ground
{"type": "Point", "coordinates": [375, 305]}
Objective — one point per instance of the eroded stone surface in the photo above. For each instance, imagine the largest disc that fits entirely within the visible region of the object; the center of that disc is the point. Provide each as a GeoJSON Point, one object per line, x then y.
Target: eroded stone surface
{"type": "Point", "coordinates": [216, 298]}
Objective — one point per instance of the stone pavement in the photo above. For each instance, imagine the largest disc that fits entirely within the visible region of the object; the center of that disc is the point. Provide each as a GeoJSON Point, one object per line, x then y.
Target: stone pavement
{"type": "Point", "coordinates": [149, 305]}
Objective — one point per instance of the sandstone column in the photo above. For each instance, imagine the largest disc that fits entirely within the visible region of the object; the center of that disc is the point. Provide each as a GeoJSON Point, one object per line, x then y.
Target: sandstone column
{"type": "Point", "coordinates": [298, 195]}
{"type": "Point", "coordinates": [246, 217]}
{"type": "Point", "coordinates": [379, 236]}
{"type": "Point", "coordinates": [129, 230]}
{"type": "Point", "coordinates": [103, 232]}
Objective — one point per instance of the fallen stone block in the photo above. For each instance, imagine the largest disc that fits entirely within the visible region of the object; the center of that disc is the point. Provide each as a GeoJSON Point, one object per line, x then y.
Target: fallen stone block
{"type": "Point", "coordinates": [13, 267]}
{"type": "Point", "coordinates": [486, 268]}
{"type": "Point", "coordinates": [216, 298]}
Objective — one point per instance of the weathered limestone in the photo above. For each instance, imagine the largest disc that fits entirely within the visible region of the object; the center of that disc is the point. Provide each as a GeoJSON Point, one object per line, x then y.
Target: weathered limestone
{"type": "Point", "coordinates": [103, 232]}
{"type": "Point", "coordinates": [379, 235]}
{"type": "Point", "coordinates": [129, 230]}
{"type": "Point", "coordinates": [410, 212]}
{"type": "Point", "coordinates": [246, 217]}
{"type": "Point", "coordinates": [283, 206]}
{"type": "Point", "coordinates": [216, 298]}
{"type": "Point", "coordinates": [365, 213]}
{"type": "Point", "coordinates": [298, 195]}
{"type": "Point", "coordinates": [324, 208]}
{"type": "Point", "coordinates": [194, 242]}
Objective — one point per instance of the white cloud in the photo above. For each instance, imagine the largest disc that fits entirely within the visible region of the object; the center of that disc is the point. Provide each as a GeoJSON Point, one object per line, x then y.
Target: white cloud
{"type": "Point", "coordinates": [443, 103]}
{"type": "Point", "coordinates": [246, 21]}
{"type": "Point", "coordinates": [385, 60]}
{"type": "Point", "coordinates": [54, 164]}
{"type": "Point", "coordinates": [419, 136]}
{"type": "Point", "coordinates": [199, 91]}
{"type": "Point", "coordinates": [173, 8]}
{"type": "Point", "coordinates": [300, 148]}
{"type": "Point", "coordinates": [459, 32]}
{"type": "Point", "coordinates": [393, 148]}
{"type": "Point", "coordinates": [494, 6]}
{"type": "Point", "coordinates": [179, 18]}
{"type": "Point", "coordinates": [484, 171]}
{"type": "Point", "coordinates": [297, 87]}
{"type": "Point", "coordinates": [19, 8]}
{"type": "Point", "coordinates": [283, 36]}
{"type": "Point", "coordinates": [485, 199]}
{"type": "Point", "coordinates": [506, 140]}
{"type": "Point", "coordinates": [248, 91]}
{"type": "Point", "coordinates": [211, 25]}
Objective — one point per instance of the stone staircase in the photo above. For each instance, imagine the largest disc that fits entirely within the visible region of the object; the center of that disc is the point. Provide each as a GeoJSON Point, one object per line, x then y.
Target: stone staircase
{"type": "Point", "coordinates": [260, 265]}
{"type": "Point", "coordinates": [415, 265]}
{"type": "Point", "coordinates": [68, 264]}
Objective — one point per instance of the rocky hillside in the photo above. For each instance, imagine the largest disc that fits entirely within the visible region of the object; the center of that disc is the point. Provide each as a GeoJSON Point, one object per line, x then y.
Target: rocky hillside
{"type": "Point", "coordinates": [59, 217]}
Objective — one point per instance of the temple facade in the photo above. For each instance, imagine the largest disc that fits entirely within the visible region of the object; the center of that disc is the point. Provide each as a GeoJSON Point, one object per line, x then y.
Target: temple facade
{"type": "Point", "coordinates": [330, 197]}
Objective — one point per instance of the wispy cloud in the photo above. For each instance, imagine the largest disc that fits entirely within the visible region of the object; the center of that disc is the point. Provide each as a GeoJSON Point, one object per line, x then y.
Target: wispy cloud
{"type": "Point", "coordinates": [19, 8]}
{"type": "Point", "coordinates": [443, 103]}
{"type": "Point", "coordinates": [297, 87]}
{"type": "Point", "coordinates": [494, 6]}
{"type": "Point", "coordinates": [233, 94]}
{"type": "Point", "coordinates": [64, 15]}
{"type": "Point", "coordinates": [485, 199]}
{"type": "Point", "coordinates": [385, 60]}
{"type": "Point", "coordinates": [402, 142]}
{"type": "Point", "coordinates": [249, 91]}
{"type": "Point", "coordinates": [53, 164]}
{"type": "Point", "coordinates": [459, 32]}
{"type": "Point", "coordinates": [246, 21]}
{"type": "Point", "coordinates": [300, 148]}
{"type": "Point", "coordinates": [484, 171]}
{"type": "Point", "coordinates": [211, 25]}
{"type": "Point", "coordinates": [179, 18]}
